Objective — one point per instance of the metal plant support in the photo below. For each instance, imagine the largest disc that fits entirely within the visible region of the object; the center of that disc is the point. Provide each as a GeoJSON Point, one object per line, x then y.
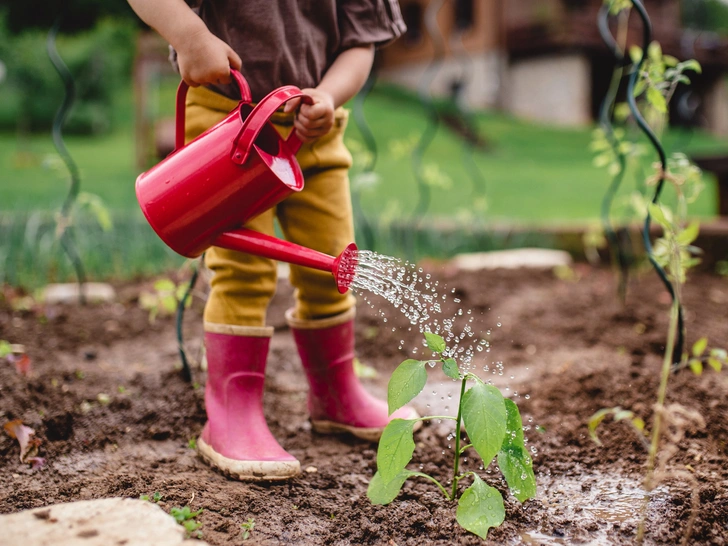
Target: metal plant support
{"type": "Point", "coordinates": [639, 119]}
{"type": "Point", "coordinates": [64, 228]}
{"type": "Point", "coordinates": [616, 246]}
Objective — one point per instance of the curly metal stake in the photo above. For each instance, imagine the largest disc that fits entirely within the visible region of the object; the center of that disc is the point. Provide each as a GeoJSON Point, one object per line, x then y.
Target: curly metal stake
{"type": "Point", "coordinates": [64, 227]}
{"type": "Point", "coordinates": [605, 114]}
{"type": "Point", "coordinates": [631, 101]}
{"type": "Point", "coordinates": [675, 334]}
{"type": "Point", "coordinates": [433, 119]}
{"type": "Point", "coordinates": [186, 370]}
{"type": "Point", "coordinates": [371, 144]}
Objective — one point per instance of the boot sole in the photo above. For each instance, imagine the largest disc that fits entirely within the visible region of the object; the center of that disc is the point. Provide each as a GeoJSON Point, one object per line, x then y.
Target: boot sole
{"type": "Point", "coordinates": [248, 471]}
{"type": "Point", "coordinates": [368, 434]}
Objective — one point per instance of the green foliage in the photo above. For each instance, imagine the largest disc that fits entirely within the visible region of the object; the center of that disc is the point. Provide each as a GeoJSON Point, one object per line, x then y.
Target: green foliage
{"type": "Point", "coordinates": [492, 424]}
{"type": "Point", "coordinates": [5, 348]}
{"type": "Point", "coordinates": [407, 381]}
{"type": "Point", "coordinates": [396, 447]}
{"type": "Point", "coordinates": [165, 298]}
{"type": "Point", "coordinates": [484, 415]}
{"type": "Point", "coordinates": [711, 15]}
{"type": "Point", "coordinates": [247, 528]}
{"type": "Point", "coordinates": [186, 518]}
{"type": "Point", "coordinates": [616, 6]}
{"type": "Point", "coordinates": [381, 491]}
{"type": "Point", "coordinates": [700, 356]}
{"type": "Point", "coordinates": [155, 498]}
{"type": "Point", "coordinates": [659, 77]}
{"type": "Point", "coordinates": [513, 459]}
{"type": "Point", "coordinates": [480, 507]}
{"type": "Point", "coordinates": [618, 414]}
{"type": "Point", "coordinates": [99, 60]}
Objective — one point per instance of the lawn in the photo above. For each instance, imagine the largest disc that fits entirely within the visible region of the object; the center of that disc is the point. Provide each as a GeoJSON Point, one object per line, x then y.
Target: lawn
{"type": "Point", "coordinates": [530, 173]}
{"type": "Point", "coordinates": [527, 175]}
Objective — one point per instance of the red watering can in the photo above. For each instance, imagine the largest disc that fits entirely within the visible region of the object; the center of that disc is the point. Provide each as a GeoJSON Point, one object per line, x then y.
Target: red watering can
{"type": "Point", "coordinates": [202, 193]}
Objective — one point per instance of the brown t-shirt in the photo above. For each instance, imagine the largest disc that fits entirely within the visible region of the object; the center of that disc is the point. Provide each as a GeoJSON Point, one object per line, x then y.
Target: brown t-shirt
{"type": "Point", "coordinates": [294, 42]}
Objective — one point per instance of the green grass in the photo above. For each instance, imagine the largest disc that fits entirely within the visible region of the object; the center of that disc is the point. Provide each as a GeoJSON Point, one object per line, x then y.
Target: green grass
{"type": "Point", "coordinates": [532, 175]}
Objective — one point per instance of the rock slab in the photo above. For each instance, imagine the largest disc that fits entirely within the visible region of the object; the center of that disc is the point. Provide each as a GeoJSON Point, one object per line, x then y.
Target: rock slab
{"type": "Point", "coordinates": [534, 258]}
{"type": "Point", "coordinates": [102, 522]}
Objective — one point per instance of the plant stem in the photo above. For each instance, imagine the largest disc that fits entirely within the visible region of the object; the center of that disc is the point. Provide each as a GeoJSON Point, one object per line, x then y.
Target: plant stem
{"type": "Point", "coordinates": [657, 421]}
{"type": "Point", "coordinates": [437, 483]}
{"type": "Point", "coordinates": [457, 441]}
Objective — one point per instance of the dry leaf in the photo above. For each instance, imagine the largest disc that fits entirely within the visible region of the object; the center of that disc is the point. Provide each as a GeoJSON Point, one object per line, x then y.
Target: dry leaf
{"type": "Point", "coordinates": [29, 444]}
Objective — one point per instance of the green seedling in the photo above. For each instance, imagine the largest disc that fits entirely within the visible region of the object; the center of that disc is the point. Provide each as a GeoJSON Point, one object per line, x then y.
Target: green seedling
{"type": "Point", "coordinates": [493, 427]}
{"type": "Point", "coordinates": [192, 444]}
{"type": "Point", "coordinates": [247, 528]}
{"type": "Point", "coordinates": [156, 497]}
{"type": "Point", "coordinates": [164, 300]}
{"type": "Point", "coordinates": [186, 518]}
{"type": "Point", "coordinates": [5, 348]}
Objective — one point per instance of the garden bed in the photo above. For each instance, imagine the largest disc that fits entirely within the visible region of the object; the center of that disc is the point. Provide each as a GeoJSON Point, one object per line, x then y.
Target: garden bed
{"type": "Point", "coordinates": [568, 346]}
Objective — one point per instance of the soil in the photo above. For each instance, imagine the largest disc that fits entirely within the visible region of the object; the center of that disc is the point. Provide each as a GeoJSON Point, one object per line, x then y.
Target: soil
{"type": "Point", "coordinates": [569, 348]}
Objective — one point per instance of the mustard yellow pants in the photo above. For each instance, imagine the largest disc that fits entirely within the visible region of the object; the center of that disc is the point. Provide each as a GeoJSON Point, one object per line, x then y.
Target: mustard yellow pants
{"type": "Point", "coordinates": [318, 217]}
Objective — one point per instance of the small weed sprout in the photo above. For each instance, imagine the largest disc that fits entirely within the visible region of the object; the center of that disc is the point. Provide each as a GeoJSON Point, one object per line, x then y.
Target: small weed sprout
{"type": "Point", "coordinates": [186, 518]}
{"type": "Point", "coordinates": [164, 299]}
{"type": "Point", "coordinates": [192, 444]}
{"type": "Point", "coordinates": [493, 427]}
{"type": "Point", "coordinates": [247, 528]}
{"type": "Point", "coordinates": [155, 498]}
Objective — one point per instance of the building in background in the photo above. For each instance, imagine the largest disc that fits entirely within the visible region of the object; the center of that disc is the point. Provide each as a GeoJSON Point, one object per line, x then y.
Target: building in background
{"type": "Point", "coordinates": [544, 59]}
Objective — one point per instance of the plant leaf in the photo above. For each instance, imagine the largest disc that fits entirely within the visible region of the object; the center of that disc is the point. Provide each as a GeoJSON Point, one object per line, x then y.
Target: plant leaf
{"type": "Point", "coordinates": [484, 415]}
{"type": "Point", "coordinates": [696, 366]}
{"type": "Point", "coordinates": [658, 215]}
{"type": "Point", "coordinates": [395, 448]}
{"type": "Point", "coordinates": [657, 100]}
{"type": "Point", "coordinates": [689, 234]}
{"type": "Point", "coordinates": [595, 420]}
{"type": "Point", "coordinates": [450, 367]}
{"type": "Point", "coordinates": [407, 381]}
{"type": "Point", "coordinates": [715, 364]}
{"type": "Point", "coordinates": [382, 492]}
{"type": "Point", "coordinates": [700, 346]}
{"type": "Point", "coordinates": [435, 342]}
{"type": "Point", "coordinates": [517, 468]}
{"type": "Point", "coordinates": [480, 507]}
{"type": "Point", "coordinates": [513, 458]}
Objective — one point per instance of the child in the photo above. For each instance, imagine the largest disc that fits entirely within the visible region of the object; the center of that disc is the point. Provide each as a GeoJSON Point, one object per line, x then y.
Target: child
{"type": "Point", "coordinates": [325, 47]}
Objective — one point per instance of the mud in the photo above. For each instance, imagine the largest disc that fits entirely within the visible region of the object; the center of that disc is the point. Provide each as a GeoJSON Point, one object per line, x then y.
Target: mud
{"type": "Point", "coordinates": [568, 345]}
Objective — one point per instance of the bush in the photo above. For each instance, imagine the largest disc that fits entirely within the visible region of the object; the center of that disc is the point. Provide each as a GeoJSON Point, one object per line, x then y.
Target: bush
{"type": "Point", "coordinates": [99, 61]}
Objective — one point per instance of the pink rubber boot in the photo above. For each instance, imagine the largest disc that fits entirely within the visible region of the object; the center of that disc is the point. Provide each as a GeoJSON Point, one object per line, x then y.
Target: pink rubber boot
{"type": "Point", "coordinates": [337, 401]}
{"type": "Point", "coordinates": [236, 439]}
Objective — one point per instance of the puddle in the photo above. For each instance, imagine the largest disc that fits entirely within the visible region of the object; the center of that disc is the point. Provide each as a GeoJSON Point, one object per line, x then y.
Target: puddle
{"type": "Point", "coordinates": [594, 505]}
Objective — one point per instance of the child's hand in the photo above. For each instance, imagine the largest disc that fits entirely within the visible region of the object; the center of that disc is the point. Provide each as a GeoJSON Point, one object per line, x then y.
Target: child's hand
{"type": "Point", "coordinates": [206, 59]}
{"type": "Point", "coordinates": [313, 120]}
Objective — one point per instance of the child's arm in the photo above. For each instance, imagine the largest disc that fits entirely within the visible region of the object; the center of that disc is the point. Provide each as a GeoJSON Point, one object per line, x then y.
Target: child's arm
{"type": "Point", "coordinates": [202, 57]}
{"type": "Point", "coordinates": [341, 82]}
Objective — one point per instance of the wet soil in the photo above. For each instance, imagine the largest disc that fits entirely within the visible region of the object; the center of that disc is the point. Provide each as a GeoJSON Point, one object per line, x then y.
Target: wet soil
{"type": "Point", "coordinates": [568, 346]}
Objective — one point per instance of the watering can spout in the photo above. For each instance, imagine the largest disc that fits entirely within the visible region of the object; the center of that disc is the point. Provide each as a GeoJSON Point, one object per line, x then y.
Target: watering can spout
{"type": "Point", "coordinates": [342, 267]}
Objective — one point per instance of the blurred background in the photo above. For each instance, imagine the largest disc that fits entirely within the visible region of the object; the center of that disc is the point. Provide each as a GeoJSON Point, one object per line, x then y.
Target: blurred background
{"type": "Point", "coordinates": [473, 132]}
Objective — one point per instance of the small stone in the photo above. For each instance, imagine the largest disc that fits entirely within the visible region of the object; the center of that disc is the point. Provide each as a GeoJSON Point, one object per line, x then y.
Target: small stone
{"type": "Point", "coordinates": [69, 293]}
{"type": "Point", "coordinates": [311, 469]}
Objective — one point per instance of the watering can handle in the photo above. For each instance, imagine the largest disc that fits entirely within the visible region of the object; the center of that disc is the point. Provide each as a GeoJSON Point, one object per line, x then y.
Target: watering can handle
{"type": "Point", "coordinates": [260, 116]}
{"type": "Point", "coordinates": [179, 138]}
